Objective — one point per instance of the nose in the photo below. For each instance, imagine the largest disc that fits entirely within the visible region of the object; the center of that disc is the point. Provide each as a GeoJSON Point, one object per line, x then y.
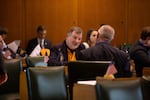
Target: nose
{"type": "Point", "coordinates": [78, 40]}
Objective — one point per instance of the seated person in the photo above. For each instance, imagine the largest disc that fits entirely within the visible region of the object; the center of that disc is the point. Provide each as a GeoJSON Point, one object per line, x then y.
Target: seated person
{"type": "Point", "coordinates": [7, 52]}
{"type": "Point", "coordinates": [68, 49]}
{"type": "Point", "coordinates": [91, 38]}
{"type": "Point", "coordinates": [3, 74]}
{"type": "Point", "coordinates": [41, 41]}
{"type": "Point", "coordinates": [103, 51]}
{"type": "Point", "coordinates": [139, 52]}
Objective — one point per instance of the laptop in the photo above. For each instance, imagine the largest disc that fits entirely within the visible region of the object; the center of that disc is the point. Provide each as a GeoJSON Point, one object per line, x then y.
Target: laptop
{"type": "Point", "coordinates": [86, 70]}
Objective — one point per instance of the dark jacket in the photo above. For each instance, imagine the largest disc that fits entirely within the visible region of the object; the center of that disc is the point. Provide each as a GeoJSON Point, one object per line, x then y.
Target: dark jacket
{"type": "Point", "coordinates": [103, 51]}
{"type": "Point", "coordinates": [34, 42]}
{"type": "Point", "coordinates": [60, 50]}
{"type": "Point", "coordinates": [139, 53]}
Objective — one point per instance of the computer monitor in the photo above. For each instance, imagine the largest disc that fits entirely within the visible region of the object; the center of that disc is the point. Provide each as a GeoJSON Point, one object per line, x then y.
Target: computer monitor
{"type": "Point", "coordinates": [86, 70]}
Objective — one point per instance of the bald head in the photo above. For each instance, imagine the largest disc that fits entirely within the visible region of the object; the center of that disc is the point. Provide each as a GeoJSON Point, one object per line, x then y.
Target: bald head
{"type": "Point", "coordinates": [106, 32]}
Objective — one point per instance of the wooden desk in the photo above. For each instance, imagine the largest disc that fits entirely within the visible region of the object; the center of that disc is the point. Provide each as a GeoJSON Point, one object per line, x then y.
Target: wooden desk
{"type": "Point", "coordinates": [84, 92]}
{"type": "Point", "coordinates": [146, 71]}
{"type": "Point", "coordinates": [23, 86]}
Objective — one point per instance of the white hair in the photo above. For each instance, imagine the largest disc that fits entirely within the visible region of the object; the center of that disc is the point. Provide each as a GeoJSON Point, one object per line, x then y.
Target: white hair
{"type": "Point", "coordinates": [106, 32]}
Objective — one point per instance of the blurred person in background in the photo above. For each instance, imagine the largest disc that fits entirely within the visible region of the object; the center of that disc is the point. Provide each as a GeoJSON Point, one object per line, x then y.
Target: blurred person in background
{"type": "Point", "coordinates": [41, 40]}
{"type": "Point", "coordinates": [7, 52]}
{"type": "Point", "coordinates": [3, 73]}
{"type": "Point", "coordinates": [140, 51]}
{"type": "Point", "coordinates": [91, 38]}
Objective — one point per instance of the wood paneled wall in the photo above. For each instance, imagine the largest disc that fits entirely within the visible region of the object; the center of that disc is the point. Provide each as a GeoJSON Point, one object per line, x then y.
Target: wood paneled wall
{"type": "Point", "coordinates": [138, 16]}
{"type": "Point", "coordinates": [12, 16]}
{"type": "Point", "coordinates": [21, 17]}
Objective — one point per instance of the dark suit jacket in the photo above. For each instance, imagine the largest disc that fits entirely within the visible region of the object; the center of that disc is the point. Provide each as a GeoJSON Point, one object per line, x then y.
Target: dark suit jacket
{"type": "Point", "coordinates": [105, 52]}
{"type": "Point", "coordinates": [61, 50]}
{"type": "Point", "coordinates": [139, 53]}
{"type": "Point", "coordinates": [34, 42]}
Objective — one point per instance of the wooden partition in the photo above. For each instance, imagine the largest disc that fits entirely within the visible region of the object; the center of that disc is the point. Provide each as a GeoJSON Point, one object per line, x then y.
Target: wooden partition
{"type": "Point", "coordinates": [84, 92]}
{"type": "Point", "coordinates": [21, 17]}
{"type": "Point", "coordinates": [138, 16]}
{"type": "Point", "coordinates": [12, 17]}
{"type": "Point", "coordinates": [94, 13]}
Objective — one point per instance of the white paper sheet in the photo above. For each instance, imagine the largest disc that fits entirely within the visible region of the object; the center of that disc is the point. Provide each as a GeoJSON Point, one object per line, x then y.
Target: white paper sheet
{"type": "Point", "coordinates": [36, 51]}
{"type": "Point", "coordinates": [89, 82]}
{"type": "Point", "coordinates": [14, 45]}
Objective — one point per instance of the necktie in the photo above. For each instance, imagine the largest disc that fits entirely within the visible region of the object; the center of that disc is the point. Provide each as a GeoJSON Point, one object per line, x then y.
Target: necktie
{"type": "Point", "coordinates": [41, 44]}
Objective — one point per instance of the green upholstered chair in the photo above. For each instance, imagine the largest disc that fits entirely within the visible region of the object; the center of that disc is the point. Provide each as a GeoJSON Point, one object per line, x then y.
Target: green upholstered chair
{"type": "Point", "coordinates": [46, 83]}
{"type": "Point", "coordinates": [124, 89]}
{"type": "Point", "coordinates": [35, 61]}
{"type": "Point", "coordinates": [10, 89]}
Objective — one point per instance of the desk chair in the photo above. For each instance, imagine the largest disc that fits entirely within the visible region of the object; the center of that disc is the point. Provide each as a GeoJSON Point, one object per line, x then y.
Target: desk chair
{"type": "Point", "coordinates": [119, 89]}
{"type": "Point", "coordinates": [85, 70]}
{"type": "Point", "coordinates": [46, 83]}
{"type": "Point", "coordinates": [10, 89]}
{"type": "Point", "coordinates": [35, 61]}
{"type": "Point", "coordinates": [146, 87]}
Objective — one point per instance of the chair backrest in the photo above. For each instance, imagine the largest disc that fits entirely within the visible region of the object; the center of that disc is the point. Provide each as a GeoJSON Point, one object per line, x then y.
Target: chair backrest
{"type": "Point", "coordinates": [146, 87]}
{"type": "Point", "coordinates": [46, 83]}
{"type": "Point", "coordinates": [11, 86]}
{"type": "Point", "coordinates": [35, 61]}
{"type": "Point", "coordinates": [121, 89]}
{"type": "Point", "coordinates": [86, 70]}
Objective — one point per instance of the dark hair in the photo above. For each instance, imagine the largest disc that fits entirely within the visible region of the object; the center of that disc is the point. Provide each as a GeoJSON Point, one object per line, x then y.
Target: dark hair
{"type": "Point", "coordinates": [41, 28]}
{"type": "Point", "coordinates": [102, 25]}
{"type": "Point", "coordinates": [145, 33]}
{"type": "Point", "coordinates": [88, 34]}
{"type": "Point", "coordinates": [3, 30]}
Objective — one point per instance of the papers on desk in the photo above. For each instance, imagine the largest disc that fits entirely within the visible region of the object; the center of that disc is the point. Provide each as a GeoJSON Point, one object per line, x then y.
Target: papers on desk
{"type": "Point", "coordinates": [89, 82]}
{"type": "Point", "coordinates": [146, 77]}
{"type": "Point", "coordinates": [14, 45]}
{"type": "Point", "coordinates": [36, 51]}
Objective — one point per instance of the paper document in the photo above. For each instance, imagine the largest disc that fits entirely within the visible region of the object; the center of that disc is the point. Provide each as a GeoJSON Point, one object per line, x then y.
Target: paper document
{"type": "Point", "coordinates": [90, 82]}
{"type": "Point", "coordinates": [36, 51]}
{"type": "Point", "coordinates": [14, 45]}
{"type": "Point", "coordinates": [111, 69]}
